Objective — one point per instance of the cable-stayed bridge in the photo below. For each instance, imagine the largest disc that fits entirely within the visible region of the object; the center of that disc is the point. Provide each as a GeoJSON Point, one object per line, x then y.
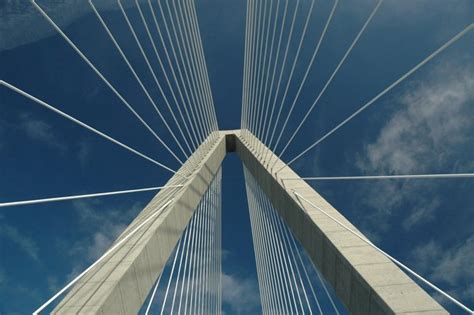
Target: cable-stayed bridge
{"type": "Point", "coordinates": [309, 257]}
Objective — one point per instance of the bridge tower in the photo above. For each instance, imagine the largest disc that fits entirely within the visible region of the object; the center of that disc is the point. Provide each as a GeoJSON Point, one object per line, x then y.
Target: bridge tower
{"type": "Point", "coordinates": [363, 278]}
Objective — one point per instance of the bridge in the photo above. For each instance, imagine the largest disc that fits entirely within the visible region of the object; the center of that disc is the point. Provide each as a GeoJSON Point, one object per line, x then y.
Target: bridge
{"type": "Point", "coordinates": [309, 257]}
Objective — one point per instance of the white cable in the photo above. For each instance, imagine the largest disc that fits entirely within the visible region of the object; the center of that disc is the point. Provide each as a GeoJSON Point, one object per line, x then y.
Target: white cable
{"type": "Point", "coordinates": [212, 258]}
{"type": "Point", "coordinates": [265, 102]}
{"type": "Point", "coordinates": [119, 243]}
{"type": "Point", "coordinates": [147, 61]}
{"type": "Point", "coordinates": [196, 65]}
{"type": "Point", "coordinates": [195, 298]}
{"type": "Point", "coordinates": [281, 226]}
{"type": "Point", "coordinates": [150, 37]}
{"type": "Point", "coordinates": [341, 62]}
{"type": "Point", "coordinates": [183, 69]}
{"type": "Point", "coordinates": [290, 236]}
{"type": "Point", "coordinates": [80, 286]}
{"type": "Point", "coordinates": [202, 255]}
{"type": "Point", "coordinates": [79, 52]}
{"type": "Point", "coordinates": [160, 198]}
{"type": "Point", "coordinates": [173, 72]}
{"type": "Point", "coordinates": [411, 176]}
{"type": "Point", "coordinates": [213, 250]}
{"type": "Point", "coordinates": [276, 274]}
{"type": "Point", "coordinates": [201, 69]}
{"type": "Point", "coordinates": [190, 68]}
{"type": "Point", "coordinates": [160, 62]}
{"type": "Point", "coordinates": [283, 255]}
{"type": "Point", "coordinates": [187, 259]}
{"type": "Point", "coordinates": [124, 57]}
{"type": "Point", "coordinates": [295, 60]}
{"type": "Point", "coordinates": [262, 72]}
{"type": "Point", "coordinates": [446, 295]}
{"type": "Point", "coordinates": [189, 229]}
{"type": "Point", "coordinates": [273, 76]}
{"type": "Point", "coordinates": [386, 90]}
{"type": "Point", "coordinates": [220, 246]}
{"type": "Point", "coordinates": [273, 272]}
{"type": "Point", "coordinates": [170, 277]}
{"type": "Point", "coordinates": [243, 122]}
{"type": "Point", "coordinates": [282, 71]}
{"type": "Point", "coordinates": [250, 36]}
{"type": "Point", "coordinates": [203, 62]}
{"type": "Point", "coordinates": [261, 272]}
{"type": "Point", "coordinates": [57, 111]}
{"type": "Point", "coordinates": [260, 279]}
{"type": "Point", "coordinates": [254, 68]}
{"type": "Point", "coordinates": [194, 258]}
{"type": "Point", "coordinates": [185, 244]}
{"type": "Point", "coordinates": [74, 197]}
{"type": "Point", "coordinates": [322, 281]}
{"type": "Point", "coordinates": [313, 57]}
{"type": "Point", "coordinates": [152, 297]}
{"type": "Point", "coordinates": [207, 262]}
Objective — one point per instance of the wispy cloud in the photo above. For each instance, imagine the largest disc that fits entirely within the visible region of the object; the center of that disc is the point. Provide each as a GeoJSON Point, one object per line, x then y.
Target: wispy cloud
{"type": "Point", "coordinates": [83, 153]}
{"type": "Point", "coordinates": [434, 118]}
{"type": "Point", "coordinates": [3, 279]}
{"type": "Point", "coordinates": [240, 294]}
{"type": "Point", "coordinates": [452, 266]}
{"type": "Point", "coordinates": [429, 133]}
{"type": "Point", "coordinates": [2, 132]}
{"type": "Point", "coordinates": [23, 241]}
{"type": "Point", "coordinates": [103, 224]}
{"type": "Point", "coordinates": [41, 131]}
{"type": "Point", "coordinates": [18, 16]}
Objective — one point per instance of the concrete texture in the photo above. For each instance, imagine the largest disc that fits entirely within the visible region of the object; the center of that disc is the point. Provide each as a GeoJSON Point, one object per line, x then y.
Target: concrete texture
{"type": "Point", "coordinates": [121, 283]}
{"type": "Point", "coordinates": [366, 281]}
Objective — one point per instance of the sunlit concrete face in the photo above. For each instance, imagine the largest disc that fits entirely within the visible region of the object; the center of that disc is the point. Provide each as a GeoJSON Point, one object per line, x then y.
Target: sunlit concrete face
{"type": "Point", "coordinates": [365, 280]}
{"type": "Point", "coordinates": [121, 283]}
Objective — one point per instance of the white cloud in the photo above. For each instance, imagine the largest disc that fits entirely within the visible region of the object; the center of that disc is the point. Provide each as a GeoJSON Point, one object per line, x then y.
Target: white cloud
{"type": "Point", "coordinates": [456, 264]}
{"type": "Point", "coordinates": [41, 131]}
{"type": "Point", "coordinates": [433, 120]}
{"type": "Point", "coordinates": [451, 266]}
{"type": "Point", "coordinates": [83, 153]}
{"type": "Point", "coordinates": [18, 17]}
{"type": "Point", "coordinates": [3, 125]}
{"type": "Point", "coordinates": [103, 224]}
{"type": "Point", "coordinates": [3, 279]}
{"type": "Point", "coordinates": [103, 239]}
{"type": "Point", "coordinates": [428, 133]}
{"type": "Point", "coordinates": [24, 242]}
{"type": "Point", "coordinates": [240, 294]}
{"type": "Point", "coordinates": [423, 213]}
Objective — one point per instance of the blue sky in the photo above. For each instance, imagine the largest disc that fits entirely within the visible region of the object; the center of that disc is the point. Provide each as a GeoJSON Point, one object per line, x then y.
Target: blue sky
{"type": "Point", "coordinates": [424, 125]}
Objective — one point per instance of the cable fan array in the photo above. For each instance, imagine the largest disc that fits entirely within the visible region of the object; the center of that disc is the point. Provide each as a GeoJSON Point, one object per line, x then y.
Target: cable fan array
{"type": "Point", "coordinates": [276, 37]}
{"type": "Point", "coordinates": [176, 64]}
{"type": "Point", "coordinates": [288, 282]}
{"type": "Point", "coordinates": [190, 282]}
{"type": "Point", "coordinates": [185, 108]}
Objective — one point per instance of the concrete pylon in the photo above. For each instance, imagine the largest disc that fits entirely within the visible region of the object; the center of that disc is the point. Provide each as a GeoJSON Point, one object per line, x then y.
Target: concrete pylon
{"type": "Point", "coordinates": [364, 280]}
{"type": "Point", "coordinates": [121, 283]}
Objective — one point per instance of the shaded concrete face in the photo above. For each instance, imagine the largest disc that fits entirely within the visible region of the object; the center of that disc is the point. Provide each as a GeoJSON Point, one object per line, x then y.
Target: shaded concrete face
{"type": "Point", "coordinates": [121, 283]}
{"type": "Point", "coordinates": [365, 280]}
